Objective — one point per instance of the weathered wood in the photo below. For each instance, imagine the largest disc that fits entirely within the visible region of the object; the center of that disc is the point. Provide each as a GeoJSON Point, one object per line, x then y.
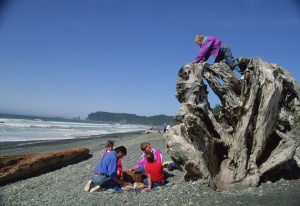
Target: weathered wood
{"type": "Point", "coordinates": [18, 167]}
{"type": "Point", "coordinates": [263, 110]}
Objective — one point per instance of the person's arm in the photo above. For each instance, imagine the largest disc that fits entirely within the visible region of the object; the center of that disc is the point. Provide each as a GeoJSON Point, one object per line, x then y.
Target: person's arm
{"type": "Point", "coordinates": [104, 153]}
{"type": "Point", "coordinates": [204, 51]}
{"type": "Point", "coordinates": [157, 156]}
{"type": "Point", "coordinates": [120, 181]}
{"type": "Point", "coordinates": [149, 183]}
{"type": "Point", "coordinates": [140, 163]}
{"type": "Point", "coordinates": [130, 169]}
{"type": "Point", "coordinates": [202, 54]}
{"type": "Point", "coordinates": [119, 168]}
{"type": "Point", "coordinates": [112, 167]}
{"type": "Point", "coordinates": [112, 170]}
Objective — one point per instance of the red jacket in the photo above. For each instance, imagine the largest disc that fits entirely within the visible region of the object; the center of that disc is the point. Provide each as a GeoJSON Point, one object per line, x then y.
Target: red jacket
{"type": "Point", "coordinates": [155, 170]}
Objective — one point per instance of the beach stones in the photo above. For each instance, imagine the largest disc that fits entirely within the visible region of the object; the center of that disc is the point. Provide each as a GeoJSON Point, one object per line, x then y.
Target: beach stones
{"type": "Point", "coordinates": [151, 131]}
{"type": "Point", "coordinates": [18, 167]}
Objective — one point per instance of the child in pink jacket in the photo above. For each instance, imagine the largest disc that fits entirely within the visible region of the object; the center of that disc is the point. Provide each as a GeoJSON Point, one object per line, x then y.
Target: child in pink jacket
{"type": "Point", "coordinates": [212, 46]}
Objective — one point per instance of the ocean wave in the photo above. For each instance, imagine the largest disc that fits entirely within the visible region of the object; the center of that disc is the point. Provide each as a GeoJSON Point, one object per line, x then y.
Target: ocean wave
{"type": "Point", "coordinates": [28, 130]}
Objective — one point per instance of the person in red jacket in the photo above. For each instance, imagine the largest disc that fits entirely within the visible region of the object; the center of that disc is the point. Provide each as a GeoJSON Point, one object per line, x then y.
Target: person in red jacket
{"type": "Point", "coordinates": [154, 173]}
{"type": "Point", "coordinates": [212, 46]}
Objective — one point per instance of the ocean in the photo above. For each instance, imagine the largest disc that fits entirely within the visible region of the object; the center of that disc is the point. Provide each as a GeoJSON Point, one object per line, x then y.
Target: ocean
{"type": "Point", "coordinates": [27, 128]}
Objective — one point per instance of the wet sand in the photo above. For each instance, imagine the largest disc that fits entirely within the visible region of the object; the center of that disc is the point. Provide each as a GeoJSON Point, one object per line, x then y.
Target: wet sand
{"type": "Point", "coordinates": [37, 146]}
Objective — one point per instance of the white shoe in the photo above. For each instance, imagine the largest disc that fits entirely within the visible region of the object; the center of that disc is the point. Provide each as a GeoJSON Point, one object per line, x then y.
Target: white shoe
{"type": "Point", "coordinates": [88, 186]}
{"type": "Point", "coordinates": [242, 78]}
{"type": "Point", "coordinates": [95, 188]}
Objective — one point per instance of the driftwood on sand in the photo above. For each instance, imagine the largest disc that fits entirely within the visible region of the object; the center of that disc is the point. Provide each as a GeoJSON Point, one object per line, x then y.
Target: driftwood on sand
{"type": "Point", "coordinates": [256, 132]}
{"type": "Point", "coordinates": [18, 167]}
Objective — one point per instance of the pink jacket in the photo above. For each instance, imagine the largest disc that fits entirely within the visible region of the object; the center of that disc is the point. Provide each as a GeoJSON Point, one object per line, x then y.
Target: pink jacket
{"type": "Point", "coordinates": [210, 47]}
{"type": "Point", "coordinates": [143, 161]}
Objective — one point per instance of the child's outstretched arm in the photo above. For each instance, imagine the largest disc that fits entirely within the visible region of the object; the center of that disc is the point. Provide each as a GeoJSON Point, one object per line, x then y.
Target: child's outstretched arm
{"type": "Point", "coordinates": [149, 183]}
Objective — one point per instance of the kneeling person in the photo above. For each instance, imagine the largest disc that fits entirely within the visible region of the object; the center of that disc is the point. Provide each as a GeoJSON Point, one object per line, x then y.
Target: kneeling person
{"type": "Point", "coordinates": [154, 173]}
{"type": "Point", "coordinates": [105, 173]}
{"type": "Point", "coordinates": [146, 148]}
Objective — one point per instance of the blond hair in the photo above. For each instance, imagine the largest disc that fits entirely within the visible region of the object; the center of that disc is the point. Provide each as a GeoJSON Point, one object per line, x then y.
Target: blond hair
{"type": "Point", "coordinates": [109, 143]}
{"type": "Point", "coordinates": [199, 37]}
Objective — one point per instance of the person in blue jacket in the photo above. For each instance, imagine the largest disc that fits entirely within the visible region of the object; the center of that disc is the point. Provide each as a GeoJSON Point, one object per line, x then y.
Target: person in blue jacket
{"type": "Point", "coordinates": [105, 172]}
{"type": "Point", "coordinates": [212, 46]}
{"type": "Point", "coordinates": [165, 127]}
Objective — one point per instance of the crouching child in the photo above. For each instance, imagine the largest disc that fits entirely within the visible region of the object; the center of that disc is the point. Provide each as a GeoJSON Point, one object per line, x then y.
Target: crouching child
{"type": "Point", "coordinates": [154, 173]}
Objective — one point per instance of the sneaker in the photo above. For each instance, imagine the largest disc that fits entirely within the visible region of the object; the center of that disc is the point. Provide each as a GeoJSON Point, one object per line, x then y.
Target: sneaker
{"type": "Point", "coordinates": [88, 186]}
{"type": "Point", "coordinates": [95, 188]}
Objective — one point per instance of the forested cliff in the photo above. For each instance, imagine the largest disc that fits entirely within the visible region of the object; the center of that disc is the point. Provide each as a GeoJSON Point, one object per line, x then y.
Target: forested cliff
{"type": "Point", "coordinates": [124, 118]}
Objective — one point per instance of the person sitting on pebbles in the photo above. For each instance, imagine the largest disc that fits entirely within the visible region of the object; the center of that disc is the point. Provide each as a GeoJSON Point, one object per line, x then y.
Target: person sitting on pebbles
{"type": "Point", "coordinates": [154, 173]}
{"type": "Point", "coordinates": [146, 148]}
{"type": "Point", "coordinates": [105, 172]}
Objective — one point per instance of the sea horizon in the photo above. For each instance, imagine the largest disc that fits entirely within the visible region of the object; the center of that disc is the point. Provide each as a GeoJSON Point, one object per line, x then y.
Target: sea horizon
{"type": "Point", "coordinates": [27, 128]}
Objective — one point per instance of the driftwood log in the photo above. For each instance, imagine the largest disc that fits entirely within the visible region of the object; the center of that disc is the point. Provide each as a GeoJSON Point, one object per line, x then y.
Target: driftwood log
{"type": "Point", "coordinates": [260, 128]}
{"type": "Point", "coordinates": [17, 167]}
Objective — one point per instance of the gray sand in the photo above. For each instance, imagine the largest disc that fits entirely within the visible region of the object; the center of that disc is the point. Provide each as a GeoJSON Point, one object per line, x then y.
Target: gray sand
{"type": "Point", "coordinates": [65, 186]}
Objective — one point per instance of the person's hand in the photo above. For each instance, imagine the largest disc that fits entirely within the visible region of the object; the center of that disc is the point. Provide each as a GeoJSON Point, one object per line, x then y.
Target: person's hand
{"type": "Point", "coordinates": [145, 189]}
{"type": "Point", "coordinates": [119, 181]}
{"type": "Point", "coordinates": [123, 183]}
{"type": "Point", "coordinates": [130, 170]}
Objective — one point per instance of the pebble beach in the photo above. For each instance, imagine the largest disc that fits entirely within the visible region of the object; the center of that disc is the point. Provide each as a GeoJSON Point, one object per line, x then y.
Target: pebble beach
{"type": "Point", "coordinates": [65, 186]}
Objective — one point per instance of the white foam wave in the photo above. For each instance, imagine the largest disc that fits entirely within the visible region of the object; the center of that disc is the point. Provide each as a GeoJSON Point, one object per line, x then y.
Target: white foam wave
{"type": "Point", "coordinates": [25, 130]}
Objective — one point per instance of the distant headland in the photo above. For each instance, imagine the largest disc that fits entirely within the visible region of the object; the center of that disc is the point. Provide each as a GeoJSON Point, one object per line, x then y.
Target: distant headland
{"type": "Point", "coordinates": [124, 118]}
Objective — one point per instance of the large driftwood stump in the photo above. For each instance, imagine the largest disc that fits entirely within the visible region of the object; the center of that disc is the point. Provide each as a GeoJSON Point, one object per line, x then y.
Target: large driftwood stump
{"type": "Point", "coordinates": [259, 131]}
{"type": "Point", "coordinates": [17, 167]}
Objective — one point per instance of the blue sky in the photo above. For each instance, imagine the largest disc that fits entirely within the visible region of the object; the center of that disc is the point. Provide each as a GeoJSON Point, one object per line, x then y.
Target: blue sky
{"type": "Point", "coordinates": [73, 57]}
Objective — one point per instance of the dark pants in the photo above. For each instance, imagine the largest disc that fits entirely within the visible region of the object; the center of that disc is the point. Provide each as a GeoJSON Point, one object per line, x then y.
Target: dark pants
{"type": "Point", "coordinates": [104, 181]}
{"type": "Point", "coordinates": [225, 53]}
{"type": "Point", "coordinates": [141, 169]}
{"type": "Point", "coordinates": [154, 184]}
